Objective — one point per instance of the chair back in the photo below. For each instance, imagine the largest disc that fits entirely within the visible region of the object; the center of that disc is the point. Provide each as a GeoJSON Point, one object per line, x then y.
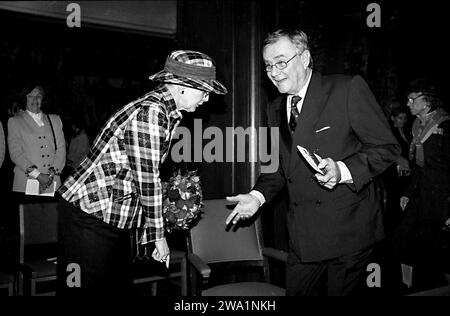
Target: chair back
{"type": "Point", "coordinates": [38, 225]}
{"type": "Point", "coordinates": [214, 242]}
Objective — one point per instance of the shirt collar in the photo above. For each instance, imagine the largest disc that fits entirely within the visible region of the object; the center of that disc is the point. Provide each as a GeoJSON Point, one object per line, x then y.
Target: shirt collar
{"type": "Point", "coordinates": [303, 90]}
{"type": "Point", "coordinates": [37, 117]}
{"type": "Point", "coordinates": [169, 101]}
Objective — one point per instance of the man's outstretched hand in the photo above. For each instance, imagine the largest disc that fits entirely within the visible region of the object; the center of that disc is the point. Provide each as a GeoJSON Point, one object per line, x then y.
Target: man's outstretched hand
{"type": "Point", "coordinates": [246, 207]}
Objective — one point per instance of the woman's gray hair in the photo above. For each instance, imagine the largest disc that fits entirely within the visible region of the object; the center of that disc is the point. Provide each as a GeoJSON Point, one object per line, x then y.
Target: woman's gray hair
{"type": "Point", "coordinates": [297, 37]}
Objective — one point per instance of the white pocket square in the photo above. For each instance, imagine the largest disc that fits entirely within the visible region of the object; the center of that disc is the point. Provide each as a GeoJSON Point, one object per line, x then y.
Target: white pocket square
{"type": "Point", "coordinates": [323, 129]}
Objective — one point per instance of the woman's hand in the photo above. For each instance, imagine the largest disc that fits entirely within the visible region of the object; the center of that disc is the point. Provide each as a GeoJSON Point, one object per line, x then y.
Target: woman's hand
{"type": "Point", "coordinates": [161, 252]}
{"type": "Point", "coordinates": [44, 180]}
{"type": "Point", "coordinates": [403, 167]}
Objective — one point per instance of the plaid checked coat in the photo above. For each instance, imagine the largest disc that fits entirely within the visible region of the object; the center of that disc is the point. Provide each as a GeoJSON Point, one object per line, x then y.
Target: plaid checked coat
{"type": "Point", "coordinates": [118, 181]}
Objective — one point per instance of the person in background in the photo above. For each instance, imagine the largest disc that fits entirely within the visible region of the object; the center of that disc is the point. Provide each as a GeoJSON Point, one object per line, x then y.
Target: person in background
{"type": "Point", "coordinates": [14, 108]}
{"type": "Point", "coordinates": [78, 146]}
{"type": "Point", "coordinates": [420, 240]}
{"type": "Point", "coordinates": [36, 142]}
{"type": "Point", "coordinates": [117, 188]}
{"type": "Point", "coordinates": [396, 177]}
{"type": "Point", "coordinates": [334, 218]}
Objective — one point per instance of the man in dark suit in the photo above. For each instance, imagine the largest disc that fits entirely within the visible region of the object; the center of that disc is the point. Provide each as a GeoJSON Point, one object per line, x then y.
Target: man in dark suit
{"type": "Point", "coordinates": [334, 219]}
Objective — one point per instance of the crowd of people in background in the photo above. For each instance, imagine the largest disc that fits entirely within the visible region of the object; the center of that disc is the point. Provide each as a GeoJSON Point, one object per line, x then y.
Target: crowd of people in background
{"type": "Point", "coordinates": [417, 204]}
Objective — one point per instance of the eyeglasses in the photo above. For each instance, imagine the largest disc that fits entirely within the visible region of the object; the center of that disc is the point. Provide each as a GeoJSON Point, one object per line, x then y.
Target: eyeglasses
{"type": "Point", "coordinates": [279, 65]}
{"type": "Point", "coordinates": [205, 95]}
{"type": "Point", "coordinates": [411, 100]}
{"type": "Point", "coordinates": [34, 96]}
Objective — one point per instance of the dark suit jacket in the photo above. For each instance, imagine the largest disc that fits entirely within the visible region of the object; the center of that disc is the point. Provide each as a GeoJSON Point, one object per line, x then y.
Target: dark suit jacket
{"type": "Point", "coordinates": [324, 223]}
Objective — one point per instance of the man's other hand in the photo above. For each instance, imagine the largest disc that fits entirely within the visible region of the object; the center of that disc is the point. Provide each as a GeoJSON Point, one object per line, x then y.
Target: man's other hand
{"type": "Point", "coordinates": [246, 207]}
{"type": "Point", "coordinates": [332, 174]}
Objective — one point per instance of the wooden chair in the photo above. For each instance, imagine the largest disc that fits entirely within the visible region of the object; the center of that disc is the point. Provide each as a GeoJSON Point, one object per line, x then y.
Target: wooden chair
{"type": "Point", "coordinates": [213, 246]}
{"type": "Point", "coordinates": [6, 284]}
{"type": "Point", "coordinates": [38, 241]}
{"type": "Point", "coordinates": [440, 291]}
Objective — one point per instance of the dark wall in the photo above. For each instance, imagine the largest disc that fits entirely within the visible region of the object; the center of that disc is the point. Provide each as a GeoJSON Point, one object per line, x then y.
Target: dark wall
{"type": "Point", "coordinates": [88, 73]}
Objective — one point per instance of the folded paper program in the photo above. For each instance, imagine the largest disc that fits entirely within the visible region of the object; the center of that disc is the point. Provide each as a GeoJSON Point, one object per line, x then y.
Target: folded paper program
{"type": "Point", "coordinates": [312, 159]}
{"type": "Point", "coordinates": [33, 188]}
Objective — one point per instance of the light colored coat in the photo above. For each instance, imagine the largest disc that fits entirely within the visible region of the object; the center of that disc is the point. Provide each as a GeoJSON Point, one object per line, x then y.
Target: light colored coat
{"type": "Point", "coordinates": [2, 145]}
{"type": "Point", "coordinates": [30, 144]}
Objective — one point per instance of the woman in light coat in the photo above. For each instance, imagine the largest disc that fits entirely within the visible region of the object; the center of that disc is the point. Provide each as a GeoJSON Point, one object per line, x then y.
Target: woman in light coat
{"type": "Point", "coordinates": [36, 143]}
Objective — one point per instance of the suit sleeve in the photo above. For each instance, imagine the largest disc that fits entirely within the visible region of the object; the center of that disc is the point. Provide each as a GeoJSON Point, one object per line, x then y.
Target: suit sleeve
{"type": "Point", "coordinates": [15, 145]}
{"type": "Point", "coordinates": [269, 184]}
{"type": "Point", "coordinates": [379, 148]}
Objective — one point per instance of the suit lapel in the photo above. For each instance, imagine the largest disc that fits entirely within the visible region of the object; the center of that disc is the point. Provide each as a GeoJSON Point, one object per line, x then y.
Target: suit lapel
{"type": "Point", "coordinates": [312, 108]}
{"type": "Point", "coordinates": [29, 122]}
{"type": "Point", "coordinates": [285, 135]}
{"type": "Point", "coordinates": [283, 123]}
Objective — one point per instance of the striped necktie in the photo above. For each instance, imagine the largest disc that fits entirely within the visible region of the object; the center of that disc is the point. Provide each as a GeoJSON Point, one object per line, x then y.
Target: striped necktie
{"type": "Point", "coordinates": [294, 113]}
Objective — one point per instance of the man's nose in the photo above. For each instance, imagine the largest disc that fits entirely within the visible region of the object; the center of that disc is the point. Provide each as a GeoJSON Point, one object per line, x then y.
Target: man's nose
{"type": "Point", "coordinates": [274, 72]}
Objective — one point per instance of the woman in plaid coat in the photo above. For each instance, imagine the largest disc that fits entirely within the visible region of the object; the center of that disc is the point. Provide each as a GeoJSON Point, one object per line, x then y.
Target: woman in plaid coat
{"type": "Point", "coordinates": [117, 187]}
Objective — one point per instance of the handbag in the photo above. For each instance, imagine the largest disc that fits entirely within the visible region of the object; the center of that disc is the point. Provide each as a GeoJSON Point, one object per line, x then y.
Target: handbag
{"type": "Point", "coordinates": [53, 132]}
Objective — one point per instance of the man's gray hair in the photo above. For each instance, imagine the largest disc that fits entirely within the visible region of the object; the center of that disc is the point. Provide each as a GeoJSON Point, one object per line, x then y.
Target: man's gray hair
{"type": "Point", "coordinates": [297, 37]}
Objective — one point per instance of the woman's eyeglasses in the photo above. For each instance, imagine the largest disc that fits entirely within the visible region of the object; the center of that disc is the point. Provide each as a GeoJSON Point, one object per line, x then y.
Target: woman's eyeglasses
{"type": "Point", "coordinates": [411, 100]}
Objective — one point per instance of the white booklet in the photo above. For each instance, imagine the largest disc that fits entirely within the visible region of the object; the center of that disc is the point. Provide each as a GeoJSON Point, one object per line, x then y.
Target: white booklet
{"type": "Point", "coordinates": [32, 188]}
{"type": "Point", "coordinates": [312, 158]}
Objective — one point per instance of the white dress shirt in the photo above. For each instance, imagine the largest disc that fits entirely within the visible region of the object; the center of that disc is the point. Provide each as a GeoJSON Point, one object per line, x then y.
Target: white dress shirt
{"type": "Point", "coordinates": [37, 117]}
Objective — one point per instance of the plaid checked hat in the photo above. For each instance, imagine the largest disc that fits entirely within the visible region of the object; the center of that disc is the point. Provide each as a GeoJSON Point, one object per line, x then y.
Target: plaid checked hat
{"type": "Point", "coordinates": [191, 69]}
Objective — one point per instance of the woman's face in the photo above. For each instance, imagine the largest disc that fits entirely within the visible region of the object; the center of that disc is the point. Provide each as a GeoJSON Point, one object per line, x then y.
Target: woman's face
{"type": "Point", "coordinates": [191, 99]}
{"type": "Point", "coordinates": [34, 101]}
{"type": "Point", "coordinates": [399, 120]}
{"type": "Point", "coordinates": [417, 103]}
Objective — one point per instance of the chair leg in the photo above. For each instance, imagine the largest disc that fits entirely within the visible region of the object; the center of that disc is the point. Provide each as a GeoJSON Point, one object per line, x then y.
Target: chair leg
{"type": "Point", "coordinates": [407, 272]}
{"type": "Point", "coordinates": [33, 288]}
{"type": "Point", "coordinates": [184, 277]}
{"type": "Point", "coordinates": [154, 288]}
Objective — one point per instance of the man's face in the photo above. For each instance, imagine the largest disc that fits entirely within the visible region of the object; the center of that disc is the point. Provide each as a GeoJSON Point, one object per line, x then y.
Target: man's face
{"type": "Point", "coordinates": [292, 78]}
{"type": "Point", "coordinates": [191, 99]}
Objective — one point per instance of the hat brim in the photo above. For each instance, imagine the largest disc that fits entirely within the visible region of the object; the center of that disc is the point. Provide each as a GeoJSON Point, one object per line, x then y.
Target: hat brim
{"type": "Point", "coordinates": [204, 85]}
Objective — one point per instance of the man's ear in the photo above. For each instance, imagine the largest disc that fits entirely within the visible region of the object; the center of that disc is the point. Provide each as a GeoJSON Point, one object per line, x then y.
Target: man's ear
{"type": "Point", "coordinates": [305, 57]}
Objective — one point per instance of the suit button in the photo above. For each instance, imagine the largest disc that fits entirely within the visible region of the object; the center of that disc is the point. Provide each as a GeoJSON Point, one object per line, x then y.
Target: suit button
{"type": "Point", "coordinates": [295, 204]}
{"type": "Point", "coordinates": [43, 156]}
{"type": "Point", "coordinates": [318, 202]}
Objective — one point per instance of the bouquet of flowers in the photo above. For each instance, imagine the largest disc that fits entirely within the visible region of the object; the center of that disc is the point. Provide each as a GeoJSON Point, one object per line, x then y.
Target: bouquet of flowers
{"type": "Point", "coordinates": [182, 201]}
